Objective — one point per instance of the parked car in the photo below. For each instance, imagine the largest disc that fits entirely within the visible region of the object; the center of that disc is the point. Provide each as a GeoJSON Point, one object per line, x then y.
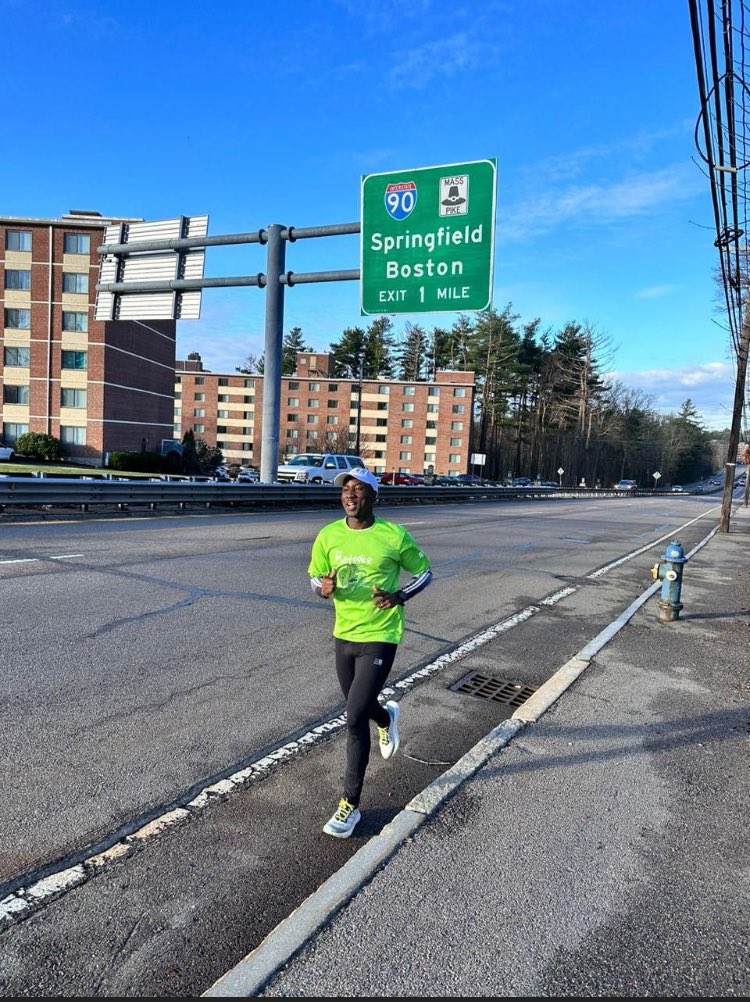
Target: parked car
{"type": "Point", "coordinates": [626, 485]}
{"type": "Point", "coordinates": [469, 480]}
{"type": "Point", "coordinates": [221, 473]}
{"type": "Point", "coordinates": [315, 468]}
{"type": "Point", "coordinates": [521, 482]}
{"type": "Point", "coordinates": [447, 481]}
{"type": "Point", "coordinates": [7, 453]}
{"type": "Point", "coordinates": [399, 480]}
{"type": "Point", "coordinates": [678, 489]}
{"type": "Point", "coordinates": [248, 475]}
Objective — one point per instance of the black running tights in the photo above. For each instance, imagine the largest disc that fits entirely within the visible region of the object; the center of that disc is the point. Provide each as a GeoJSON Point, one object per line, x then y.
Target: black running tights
{"type": "Point", "coordinates": [362, 671]}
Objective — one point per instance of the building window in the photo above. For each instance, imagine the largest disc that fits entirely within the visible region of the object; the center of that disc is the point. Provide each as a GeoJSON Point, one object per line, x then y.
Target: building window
{"type": "Point", "coordinates": [313, 387]}
{"type": "Point", "coordinates": [178, 379]}
{"type": "Point", "coordinates": [15, 279]}
{"type": "Point", "coordinates": [223, 381]}
{"type": "Point", "coordinates": [13, 431]}
{"type": "Point", "coordinates": [178, 394]}
{"type": "Point", "coordinates": [247, 446]}
{"type": "Point", "coordinates": [200, 380]}
{"type": "Point", "coordinates": [221, 444]}
{"type": "Point", "coordinates": [292, 433]}
{"type": "Point", "coordinates": [76, 243]}
{"type": "Point", "coordinates": [74, 281]}
{"type": "Point", "coordinates": [432, 408]}
{"type": "Point", "coordinates": [408, 391]}
{"type": "Point", "coordinates": [457, 426]}
{"type": "Point", "coordinates": [458, 408]}
{"type": "Point", "coordinates": [381, 422]}
{"type": "Point", "coordinates": [384, 390]}
{"type": "Point", "coordinates": [18, 319]}
{"type": "Point", "coordinates": [433, 391]}
{"type": "Point", "coordinates": [15, 394]}
{"type": "Point", "coordinates": [292, 417]}
{"type": "Point", "coordinates": [333, 403]}
{"type": "Point", "coordinates": [247, 430]}
{"type": "Point", "coordinates": [431, 424]}
{"type": "Point", "coordinates": [429, 457]}
{"type": "Point", "coordinates": [333, 387]}
{"type": "Point", "coordinates": [430, 440]}
{"type": "Point", "coordinates": [381, 438]}
{"type": "Point", "coordinates": [383, 406]}
{"type": "Point", "coordinates": [223, 414]}
{"type": "Point", "coordinates": [312, 418]}
{"type": "Point", "coordinates": [404, 455]}
{"type": "Point", "coordinates": [72, 435]}
{"type": "Point", "coordinates": [72, 398]}
{"type": "Point", "coordinates": [313, 403]}
{"type": "Point", "coordinates": [292, 401]}
{"type": "Point", "coordinates": [74, 360]}
{"type": "Point", "coordinates": [78, 322]}
{"type": "Point", "coordinates": [18, 240]}
{"type": "Point", "coordinates": [248, 415]}
{"type": "Point", "coordinates": [249, 398]}
{"type": "Point", "coordinates": [407, 423]}
{"type": "Point", "coordinates": [178, 412]}
{"type": "Point", "coordinates": [293, 385]}
{"type": "Point", "coordinates": [406, 439]}
{"type": "Point", "coordinates": [332, 419]}
{"type": "Point", "coordinates": [249, 384]}
{"type": "Point", "coordinates": [453, 458]}
{"type": "Point", "coordinates": [199, 427]}
{"type": "Point", "coordinates": [199, 396]}
{"type": "Point", "coordinates": [199, 412]}
{"type": "Point", "coordinates": [223, 398]}
{"type": "Point", "coordinates": [459, 391]}
{"type": "Point", "coordinates": [456, 443]}
{"type": "Point", "coordinates": [312, 434]}
{"type": "Point", "coordinates": [221, 429]}
{"type": "Point", "coordinates": [17, 357]}
{"type": "Point", "coordinates": [407, 407]}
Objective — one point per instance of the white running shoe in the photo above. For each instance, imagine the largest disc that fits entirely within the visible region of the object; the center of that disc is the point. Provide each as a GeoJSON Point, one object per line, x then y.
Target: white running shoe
{"type": "Point", "coordinates": [344, 821]}
{"type": "Point", "coordinates": [389, 737]}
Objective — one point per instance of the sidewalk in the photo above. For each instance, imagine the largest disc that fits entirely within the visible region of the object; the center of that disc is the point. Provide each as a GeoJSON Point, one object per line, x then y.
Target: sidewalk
{"type": "Point", "coordinates": [594, 845]}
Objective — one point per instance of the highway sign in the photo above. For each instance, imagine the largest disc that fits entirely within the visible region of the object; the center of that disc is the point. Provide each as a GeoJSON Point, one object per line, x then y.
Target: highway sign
{"type": "Point", "coordinates": [428, 239]}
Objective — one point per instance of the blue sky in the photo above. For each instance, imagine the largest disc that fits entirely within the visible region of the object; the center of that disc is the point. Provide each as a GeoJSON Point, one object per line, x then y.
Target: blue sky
{"type": "Point", "coordinates": [256, 113]}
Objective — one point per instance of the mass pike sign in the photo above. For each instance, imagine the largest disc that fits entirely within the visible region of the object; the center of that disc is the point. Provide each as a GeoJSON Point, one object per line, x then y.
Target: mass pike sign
{"type": "Point", "coordinates": [428, 239]}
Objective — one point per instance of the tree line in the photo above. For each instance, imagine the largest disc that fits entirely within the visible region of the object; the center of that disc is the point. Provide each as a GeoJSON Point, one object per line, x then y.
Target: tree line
{"type": "Point", "coordinates": [543, 401]}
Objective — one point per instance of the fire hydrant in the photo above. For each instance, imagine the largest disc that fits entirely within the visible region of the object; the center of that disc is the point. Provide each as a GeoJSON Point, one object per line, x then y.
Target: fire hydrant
{"type": "Point", "coordinates": [669, 570]}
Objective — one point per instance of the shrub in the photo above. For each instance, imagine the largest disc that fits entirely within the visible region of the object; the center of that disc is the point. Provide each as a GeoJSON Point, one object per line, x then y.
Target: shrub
{"type": "Point", "coordinates": [35, 445]}
{"type": "Point", "coordinates": [138, 462]}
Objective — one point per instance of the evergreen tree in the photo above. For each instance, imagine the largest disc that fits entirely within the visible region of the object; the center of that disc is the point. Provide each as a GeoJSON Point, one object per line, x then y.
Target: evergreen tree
{"type": "Point", "coordinates": [379, 349]}
{"type": "Point", "coordinates": [292, 343]}
{"type": "Point", "coordinates": [348, 353]}
{"type": "Point", "coordinates": [412, 354]}
{"type": "Point", "coordinates": [253, 364]}
{"type": "Point", "coordinates": [190, 464]}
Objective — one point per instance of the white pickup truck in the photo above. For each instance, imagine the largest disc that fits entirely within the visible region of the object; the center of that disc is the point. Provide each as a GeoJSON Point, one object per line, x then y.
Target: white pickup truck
{"type": "Point", "coordinates": [315, 468]}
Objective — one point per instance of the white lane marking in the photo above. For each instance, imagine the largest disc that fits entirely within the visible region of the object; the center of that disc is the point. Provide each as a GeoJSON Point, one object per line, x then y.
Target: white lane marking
{"type": "Point", "coordinates": [67, 556]}
{"type": "Point", "coordinates": [635, 553]}
{"type": "Point", "coordinates": [21, 560]}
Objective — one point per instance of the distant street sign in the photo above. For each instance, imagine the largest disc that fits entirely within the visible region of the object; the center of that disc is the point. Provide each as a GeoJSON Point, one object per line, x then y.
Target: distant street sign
{"type": "Point", "coordinates": [478, 458]}
{"type": "Point", "coordinates": [428, 239]}
{"type": "Point", "coordinates": [656, 475]}
{"type": "Point", "coordinates": [152, 266]}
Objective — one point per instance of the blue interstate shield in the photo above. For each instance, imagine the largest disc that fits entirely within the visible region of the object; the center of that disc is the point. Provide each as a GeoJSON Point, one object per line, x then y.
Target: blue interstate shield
{"type": "Point", "coordinates": [400, 199]}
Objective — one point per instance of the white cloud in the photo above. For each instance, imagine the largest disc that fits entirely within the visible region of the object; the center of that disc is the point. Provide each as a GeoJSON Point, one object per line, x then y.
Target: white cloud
{"type": "Point", "coordinates": [600, 203]}
{"type": "Point", "coordinates": [710, 386]}
{"type": "Point", "coordinates": [656, 292]}
{"type": "Point", "coordinates": [443, 57]}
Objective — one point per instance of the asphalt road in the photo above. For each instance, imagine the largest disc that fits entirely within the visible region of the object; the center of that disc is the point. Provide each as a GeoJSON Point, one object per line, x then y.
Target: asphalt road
{"type": "Point", "coordinates": [145, 658]}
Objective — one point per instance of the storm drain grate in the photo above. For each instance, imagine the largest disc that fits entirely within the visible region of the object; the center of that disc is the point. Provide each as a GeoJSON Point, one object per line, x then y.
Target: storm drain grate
{"type": "Point", "coordinates": [496, 689]}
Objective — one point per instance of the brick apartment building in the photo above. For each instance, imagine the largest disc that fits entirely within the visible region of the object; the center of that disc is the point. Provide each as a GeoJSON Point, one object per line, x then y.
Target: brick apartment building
{"type": "Point", "coordinates": [404, 426]}
{"type": "Point", "coordinates": [98, 386]}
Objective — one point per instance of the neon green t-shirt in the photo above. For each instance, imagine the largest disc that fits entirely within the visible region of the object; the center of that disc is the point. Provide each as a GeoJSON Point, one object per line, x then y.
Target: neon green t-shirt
{"type": "Point", "coordinates": [363, 558]}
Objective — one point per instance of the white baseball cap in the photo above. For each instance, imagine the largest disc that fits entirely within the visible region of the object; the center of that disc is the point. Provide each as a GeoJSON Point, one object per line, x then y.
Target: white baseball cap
{"type": "Point", "coordinates": [359, 473]}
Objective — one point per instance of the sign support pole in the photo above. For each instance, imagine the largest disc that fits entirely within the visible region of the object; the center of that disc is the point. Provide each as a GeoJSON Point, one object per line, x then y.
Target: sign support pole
{"type": "Point", "coordinates": [274, 330]}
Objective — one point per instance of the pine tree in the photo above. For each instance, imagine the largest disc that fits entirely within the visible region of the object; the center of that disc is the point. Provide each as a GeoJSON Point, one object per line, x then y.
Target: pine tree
{"type": "Point", "coordinates": [292, 343]}
{"type": "Point", "coordinates": [412, 355]}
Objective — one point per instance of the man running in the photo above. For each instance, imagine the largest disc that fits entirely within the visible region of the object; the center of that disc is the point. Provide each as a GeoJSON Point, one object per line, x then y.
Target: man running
{"type": "Point", "coordinates": [357, 560]}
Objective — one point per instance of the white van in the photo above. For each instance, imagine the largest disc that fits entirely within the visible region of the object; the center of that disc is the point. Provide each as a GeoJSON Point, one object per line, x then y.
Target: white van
{"type": "Point", "coordinates": [315, 468]}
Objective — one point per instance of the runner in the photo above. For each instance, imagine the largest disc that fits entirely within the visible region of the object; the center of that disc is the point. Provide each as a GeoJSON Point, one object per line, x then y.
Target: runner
{"type": "Point", "coordinates": [357, 561]}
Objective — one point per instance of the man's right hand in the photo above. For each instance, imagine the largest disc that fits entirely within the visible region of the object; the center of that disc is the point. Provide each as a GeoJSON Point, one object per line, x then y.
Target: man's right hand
{"type": "Point", "coordinates": [328, 584]}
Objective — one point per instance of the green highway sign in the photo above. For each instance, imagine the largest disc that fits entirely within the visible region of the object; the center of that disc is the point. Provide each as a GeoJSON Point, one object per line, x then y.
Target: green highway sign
{"type": "Point", "coordinates": [428, 239]}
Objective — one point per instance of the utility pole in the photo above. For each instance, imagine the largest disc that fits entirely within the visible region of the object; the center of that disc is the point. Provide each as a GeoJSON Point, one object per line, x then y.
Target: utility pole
{"type": "Point", "coordinates": [734, 432]}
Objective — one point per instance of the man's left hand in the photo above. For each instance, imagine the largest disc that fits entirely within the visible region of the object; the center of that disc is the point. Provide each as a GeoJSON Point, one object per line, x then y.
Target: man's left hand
{"type": "Point", "coordinates": [385, 599]}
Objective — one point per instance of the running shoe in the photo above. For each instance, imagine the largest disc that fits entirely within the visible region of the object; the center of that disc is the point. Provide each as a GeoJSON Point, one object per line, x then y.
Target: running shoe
{"type": "Point", "coordinates": [343, 822]}
{"type": "Point", "coordinates": [389, 739]}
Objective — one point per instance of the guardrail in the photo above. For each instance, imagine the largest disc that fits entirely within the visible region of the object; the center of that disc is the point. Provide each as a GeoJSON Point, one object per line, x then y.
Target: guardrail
{"type": "Point", "coordinates": [51, 492]}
